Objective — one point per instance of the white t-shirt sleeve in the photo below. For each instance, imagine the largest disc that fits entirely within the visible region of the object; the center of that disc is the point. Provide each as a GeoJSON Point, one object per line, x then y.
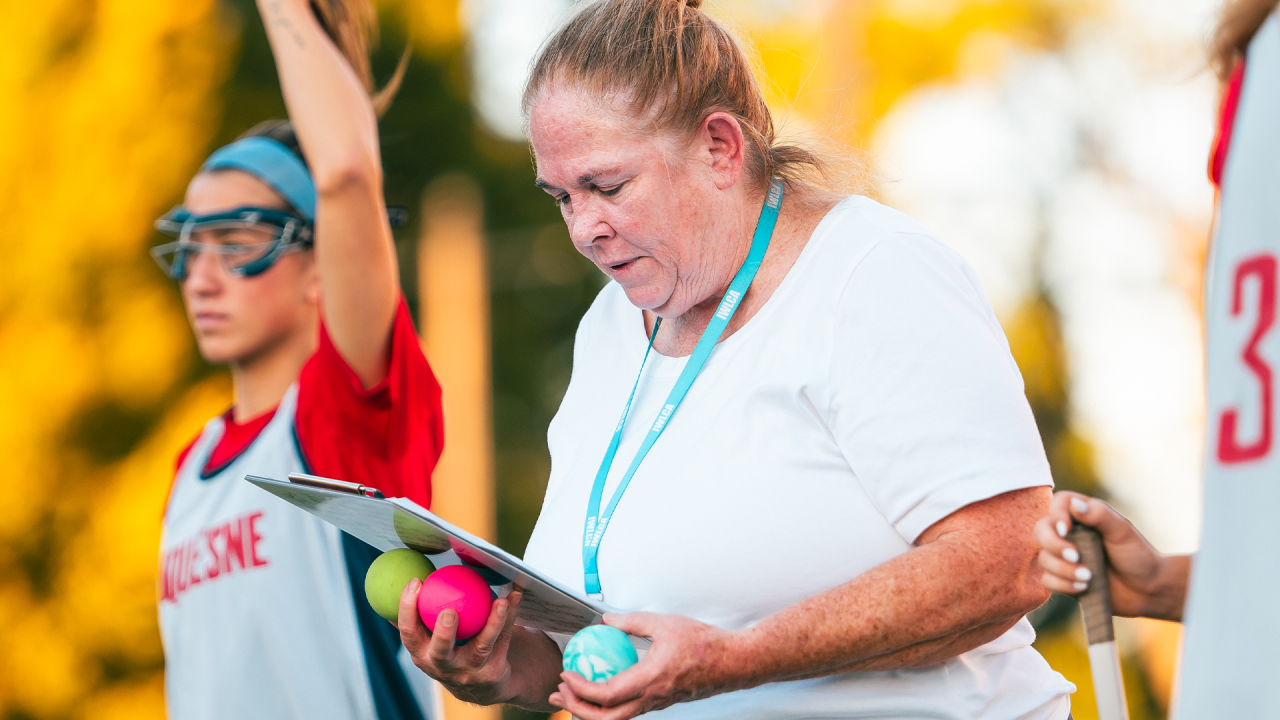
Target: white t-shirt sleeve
{"type": "Point", "coordinates": [927, 404]}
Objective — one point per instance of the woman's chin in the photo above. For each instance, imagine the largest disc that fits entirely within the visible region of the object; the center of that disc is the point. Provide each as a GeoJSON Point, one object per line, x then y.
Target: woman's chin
{"type": "Point", "coordinates": [218, 351]}
{"type": "Point", "coordinates": [647, 297]}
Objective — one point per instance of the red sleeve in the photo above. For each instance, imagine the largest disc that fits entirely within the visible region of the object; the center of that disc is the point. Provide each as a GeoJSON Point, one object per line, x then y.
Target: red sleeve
{"type": "Point", "coordinates": [1226, 123]}
{"type": "Point", "coordinates": [388, 436]}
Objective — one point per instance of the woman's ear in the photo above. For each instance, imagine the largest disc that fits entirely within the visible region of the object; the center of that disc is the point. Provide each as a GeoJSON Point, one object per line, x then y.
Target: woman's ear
{"type": "Point", "coordinates": [724, 142]}
{"type": "Point", "coordinates": [311, 281]}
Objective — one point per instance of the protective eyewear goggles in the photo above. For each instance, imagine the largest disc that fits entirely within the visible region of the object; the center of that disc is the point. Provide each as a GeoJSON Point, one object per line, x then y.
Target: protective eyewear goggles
{"type": "Point", "coordinates": [248, 240]}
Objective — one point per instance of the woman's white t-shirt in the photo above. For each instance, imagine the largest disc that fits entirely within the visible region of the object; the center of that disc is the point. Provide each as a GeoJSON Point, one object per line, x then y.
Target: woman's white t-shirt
{"type": "Point", "coordinates": [873, 395]}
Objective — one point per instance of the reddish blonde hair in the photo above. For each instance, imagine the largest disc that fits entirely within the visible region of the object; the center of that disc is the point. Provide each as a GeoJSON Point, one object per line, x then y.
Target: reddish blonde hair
{"type": "Point", "coordinates": [673, 65]}
{"type": "Point", "coordinates": [1238, 23]}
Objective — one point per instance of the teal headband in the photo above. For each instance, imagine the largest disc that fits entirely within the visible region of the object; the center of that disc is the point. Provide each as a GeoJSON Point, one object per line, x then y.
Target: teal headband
{"type": "Point", "coordinates": [274, 164]}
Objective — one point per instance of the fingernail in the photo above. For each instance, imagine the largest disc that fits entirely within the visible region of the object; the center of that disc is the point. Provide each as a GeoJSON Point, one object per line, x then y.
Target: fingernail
{"type": "Point", "coordinates": [1083, 574]}
{"type": "Point", "coordinates": [1081, 586]}
{"type": "Point", "coordinates": [447, 618]}
{"type": "Point", "coordinates": [1079, 505]}
{"type": "Point", "coordinates": [1070, 555]}
{"type": "Point", "coordinates": [1062, 528]}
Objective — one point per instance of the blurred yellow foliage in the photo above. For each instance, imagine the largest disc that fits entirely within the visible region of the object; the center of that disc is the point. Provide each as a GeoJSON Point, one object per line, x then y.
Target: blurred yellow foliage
{"type": "Point", "coordinates": [1159, 648]}
{"type": "Point", "coordinates": [859, 58]}
{"type": "Point", "coordinates": [1147, 693]}
{"type": "Point", "coordinates": [105, 109]}
{"type": "Point", "coordinates": [913, 42]}
{"type": "Point", "coordinates": [433, 25]}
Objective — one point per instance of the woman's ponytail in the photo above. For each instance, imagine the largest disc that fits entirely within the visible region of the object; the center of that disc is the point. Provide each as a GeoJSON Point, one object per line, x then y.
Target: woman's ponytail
{"type": "Point", "coordinates": [353, 27]}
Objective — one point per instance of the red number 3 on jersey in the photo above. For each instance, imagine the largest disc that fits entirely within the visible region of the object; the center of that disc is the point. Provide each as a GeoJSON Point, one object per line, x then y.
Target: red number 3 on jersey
{"type": "Point", "coordinates": [1230, 449]}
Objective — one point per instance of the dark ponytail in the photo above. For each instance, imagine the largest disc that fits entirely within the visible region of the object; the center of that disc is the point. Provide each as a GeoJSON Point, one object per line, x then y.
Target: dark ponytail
{"type": "Point", "coordinates": [1238, 23]}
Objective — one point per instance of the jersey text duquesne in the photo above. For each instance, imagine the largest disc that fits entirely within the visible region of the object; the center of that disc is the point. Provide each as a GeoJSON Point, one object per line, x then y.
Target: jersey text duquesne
{"type": "Point", "coordinates": [212, 553]}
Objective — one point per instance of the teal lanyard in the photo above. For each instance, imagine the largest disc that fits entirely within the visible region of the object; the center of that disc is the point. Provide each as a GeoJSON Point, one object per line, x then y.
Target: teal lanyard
{"type": "Point", "coordinates": [598, 522]}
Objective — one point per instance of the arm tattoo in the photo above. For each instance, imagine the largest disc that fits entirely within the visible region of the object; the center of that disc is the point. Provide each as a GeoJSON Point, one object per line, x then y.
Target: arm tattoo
{"type": "Point", "coordinates": [279, 19]}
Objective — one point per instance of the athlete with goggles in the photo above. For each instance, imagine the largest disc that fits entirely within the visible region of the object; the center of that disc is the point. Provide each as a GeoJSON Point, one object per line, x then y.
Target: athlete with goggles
{"type": "Point", "coordinates": [247, 240]}
{"type": "Point", "coordinates": [288, 272]}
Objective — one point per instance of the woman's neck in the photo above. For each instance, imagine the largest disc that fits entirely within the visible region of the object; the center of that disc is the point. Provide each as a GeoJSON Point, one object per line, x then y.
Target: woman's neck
{"type": "Point", "coordinates": [261, 379]}
{"type": "Point", "coordinates": [803, 207]}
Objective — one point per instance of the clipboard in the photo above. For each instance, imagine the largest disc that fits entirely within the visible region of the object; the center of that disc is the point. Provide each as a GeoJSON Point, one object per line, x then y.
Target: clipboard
{"type": "Point", "coordinates": [388, 523]}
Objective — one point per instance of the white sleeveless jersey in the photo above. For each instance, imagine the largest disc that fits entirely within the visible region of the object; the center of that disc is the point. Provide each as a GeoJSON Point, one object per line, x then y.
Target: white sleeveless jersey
{"type": "Point", "coordinates": [1232, 623]}
{"type": "Point", "coordinates": [262, 609]}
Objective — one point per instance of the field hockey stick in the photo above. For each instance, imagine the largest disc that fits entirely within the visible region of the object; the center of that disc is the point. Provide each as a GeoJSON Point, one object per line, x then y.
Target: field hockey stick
{"type": "Point", "coordinates": [1095, 607]}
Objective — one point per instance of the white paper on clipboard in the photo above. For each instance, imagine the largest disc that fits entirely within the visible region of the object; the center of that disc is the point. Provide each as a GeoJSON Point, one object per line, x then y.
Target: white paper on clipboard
{"type": "Point", "coordinates": [398, 522]}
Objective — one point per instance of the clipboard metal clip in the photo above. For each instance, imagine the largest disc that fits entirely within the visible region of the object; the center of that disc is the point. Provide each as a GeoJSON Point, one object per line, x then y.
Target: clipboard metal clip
{"type": "Point", "coordinates": [338, 485]}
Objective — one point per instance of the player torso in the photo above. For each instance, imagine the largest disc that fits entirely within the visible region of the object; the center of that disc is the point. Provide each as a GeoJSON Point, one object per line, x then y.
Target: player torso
{"type": "Point", "coordinates": [255, 603]}
{"type": "Point", "coordinates": [1232, 628]}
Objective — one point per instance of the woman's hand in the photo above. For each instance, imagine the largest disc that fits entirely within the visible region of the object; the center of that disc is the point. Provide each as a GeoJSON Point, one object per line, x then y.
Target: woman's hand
{"type": "Point", "coordinates": [1143, 582]}
{"type": "Point", "coordinates": [688, 660]}
{"type": "Point", "coordinates": [504, 663]}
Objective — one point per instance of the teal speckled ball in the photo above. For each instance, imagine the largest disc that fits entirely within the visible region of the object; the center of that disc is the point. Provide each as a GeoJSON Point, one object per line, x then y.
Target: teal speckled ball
{"type": "Point", "coordinates": [599, 652]}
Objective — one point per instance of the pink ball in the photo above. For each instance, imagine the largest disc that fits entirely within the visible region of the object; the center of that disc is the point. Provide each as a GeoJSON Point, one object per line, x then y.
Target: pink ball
{"type": "Point", "coordinates": [461, 588]}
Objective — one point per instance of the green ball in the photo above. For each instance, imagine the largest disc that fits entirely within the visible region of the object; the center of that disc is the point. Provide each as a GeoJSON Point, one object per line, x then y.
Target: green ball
{"type": "Point", "coordinates": [389, 574]}
{"type": "Point", "coordinates": [599, 652]}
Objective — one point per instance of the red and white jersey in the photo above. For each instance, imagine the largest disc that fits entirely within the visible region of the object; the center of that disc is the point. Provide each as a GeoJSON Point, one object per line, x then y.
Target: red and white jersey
{"type": "Point", "coordinates": [1232, 627]}
{"type": "Point", "coordinates": [262, 607]}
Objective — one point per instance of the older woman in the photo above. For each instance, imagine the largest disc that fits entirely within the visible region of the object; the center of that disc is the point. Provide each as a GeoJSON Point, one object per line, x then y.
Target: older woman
{"type": "Point", "coordinates": [821, 494]}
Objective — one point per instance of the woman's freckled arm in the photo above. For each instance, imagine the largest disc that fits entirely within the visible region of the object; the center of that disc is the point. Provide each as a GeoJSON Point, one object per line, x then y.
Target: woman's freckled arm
{"type": "Point", "coordinates": [971, 577]}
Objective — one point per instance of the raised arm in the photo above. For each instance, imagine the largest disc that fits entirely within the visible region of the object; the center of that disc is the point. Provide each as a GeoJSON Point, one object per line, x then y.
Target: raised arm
{"type": "Point", "coordinates": [333, 117]}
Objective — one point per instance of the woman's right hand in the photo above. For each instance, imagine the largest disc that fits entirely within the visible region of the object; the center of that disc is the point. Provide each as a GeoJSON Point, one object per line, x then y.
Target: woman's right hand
{"type": "Point", "coordinates": [1142, 581]}
{"type": "Point", "coordinates": [482, 671]}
